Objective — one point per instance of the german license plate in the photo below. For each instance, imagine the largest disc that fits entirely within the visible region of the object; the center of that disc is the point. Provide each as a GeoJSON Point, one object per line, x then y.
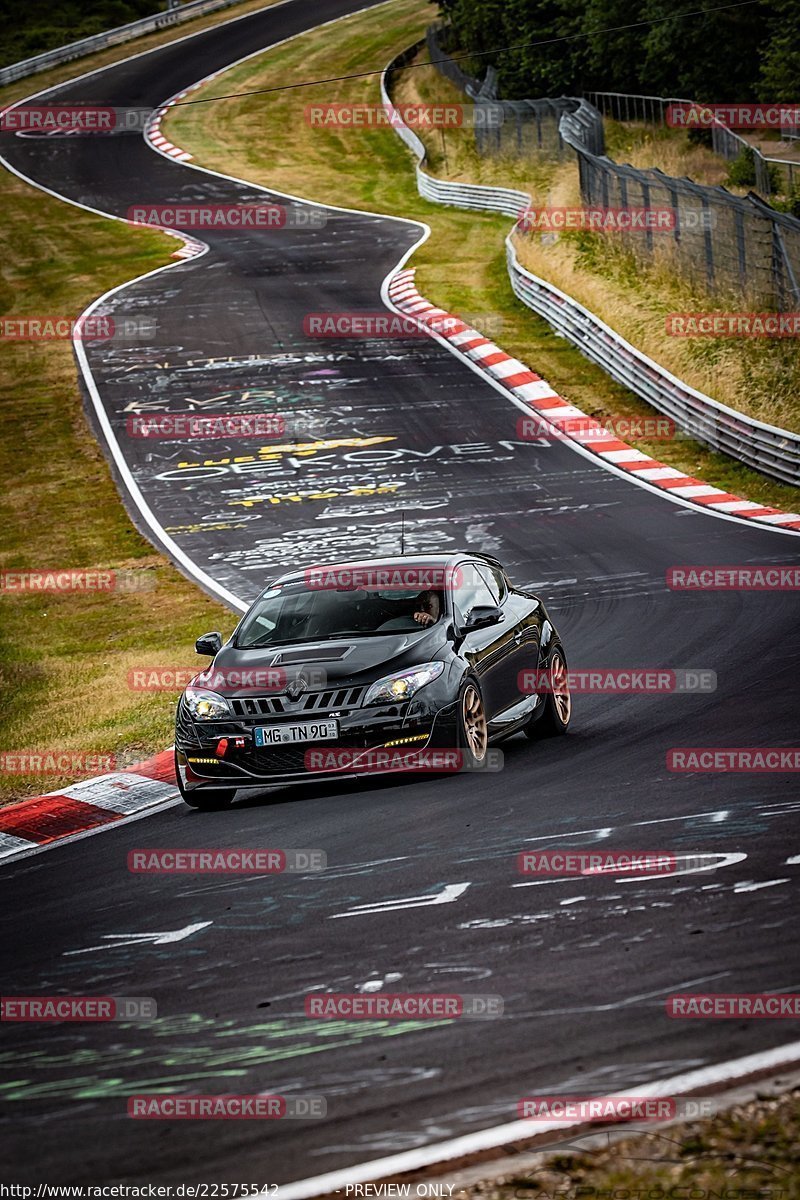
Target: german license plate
{"type": "Point", "coordinates": [301, 731]}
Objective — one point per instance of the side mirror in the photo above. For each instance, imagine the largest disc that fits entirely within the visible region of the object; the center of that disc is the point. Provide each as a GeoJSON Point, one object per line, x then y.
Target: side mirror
{"type": "Point", "coordinates": [209, 643]}
{"type": "Point", "coordinates": [481, 616]}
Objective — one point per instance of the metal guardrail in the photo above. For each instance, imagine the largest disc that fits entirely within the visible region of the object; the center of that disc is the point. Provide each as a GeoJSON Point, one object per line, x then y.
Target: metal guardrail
{"type": "Point", "coordinates": [766, 448]}
{"type": "Point", "coordinates": [112, 37]}
{"type": "Point", "coordinates": [742, 244]}
{"type": "Point", "coordinates": [508, 201]}
{"type": "Point", "coordinates": [472, 195]}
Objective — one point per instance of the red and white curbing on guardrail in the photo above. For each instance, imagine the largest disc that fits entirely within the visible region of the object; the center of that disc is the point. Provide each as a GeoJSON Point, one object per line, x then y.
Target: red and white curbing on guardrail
{"type": "Point", "coordinates": [570, 421]}
{"type": "Point", "coordinates": [84, 806]}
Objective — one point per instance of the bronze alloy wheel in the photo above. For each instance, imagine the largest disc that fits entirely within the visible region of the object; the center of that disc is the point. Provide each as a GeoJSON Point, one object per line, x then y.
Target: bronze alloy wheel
{"type": "Point", "coordinates": [473, 720]}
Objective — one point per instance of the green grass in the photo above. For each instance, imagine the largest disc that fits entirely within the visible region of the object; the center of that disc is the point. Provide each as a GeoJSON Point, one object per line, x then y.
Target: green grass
{"type": "Point", "coordinates": [65, 658]}
{"type": "Point", "coordinates": [461, 267]}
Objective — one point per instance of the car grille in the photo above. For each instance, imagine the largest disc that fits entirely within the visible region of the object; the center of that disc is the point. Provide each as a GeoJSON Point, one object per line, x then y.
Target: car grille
{"type": "Point", "coordinates": [281, 760]}
{"type": "Point", "coordinates": [271, 706]}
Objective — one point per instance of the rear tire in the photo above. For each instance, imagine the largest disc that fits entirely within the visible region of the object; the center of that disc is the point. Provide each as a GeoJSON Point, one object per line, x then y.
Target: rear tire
{"type": "Point", "coordinates": [555, 719]}
{"type": "Point", "coordinates": [205, 799]}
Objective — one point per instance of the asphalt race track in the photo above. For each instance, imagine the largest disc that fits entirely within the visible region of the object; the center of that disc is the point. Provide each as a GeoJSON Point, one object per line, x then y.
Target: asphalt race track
{"type": "Point", "coordinates": [583, 966]}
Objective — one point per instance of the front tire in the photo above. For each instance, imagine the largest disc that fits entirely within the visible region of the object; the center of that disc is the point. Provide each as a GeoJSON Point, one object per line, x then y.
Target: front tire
{"type": "Point", "coordinates": [209, 800]}
{"type": "Point", "coordinates": [555, 719]}
{"type": "Point", "coordinates": [473, 734]}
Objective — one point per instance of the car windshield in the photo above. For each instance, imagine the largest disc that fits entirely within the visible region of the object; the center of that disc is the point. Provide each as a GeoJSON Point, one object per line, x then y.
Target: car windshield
{"type": "Point", "coordinates": [295, 612]}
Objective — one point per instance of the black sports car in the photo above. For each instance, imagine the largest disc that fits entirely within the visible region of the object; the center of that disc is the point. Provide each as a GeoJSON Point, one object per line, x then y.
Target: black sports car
{"type": "Point", "coordinates": [367, 667]}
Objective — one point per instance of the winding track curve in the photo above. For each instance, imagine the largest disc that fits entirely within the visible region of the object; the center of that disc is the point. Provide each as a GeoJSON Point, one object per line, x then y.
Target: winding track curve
{"type": "Point", "coordinates": [583, 981]}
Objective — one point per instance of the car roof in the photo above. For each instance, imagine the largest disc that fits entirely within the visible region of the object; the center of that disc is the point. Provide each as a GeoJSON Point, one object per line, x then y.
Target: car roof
{"type": "Point", "coordinates": [390, 560]}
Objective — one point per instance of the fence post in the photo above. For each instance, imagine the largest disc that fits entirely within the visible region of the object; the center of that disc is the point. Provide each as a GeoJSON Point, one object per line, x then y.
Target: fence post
{"type": "Point", "coordinates": [709, 242]}
{"type": "Point", "coordinates": [741, 246]}
{"type": "Point", "coordinates": [673, 199]}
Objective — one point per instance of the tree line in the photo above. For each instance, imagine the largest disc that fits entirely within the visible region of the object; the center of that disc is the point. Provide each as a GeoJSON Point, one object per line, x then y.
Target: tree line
{"type": "Point", "coordinates": [749, 52]}
{"type": "Point", "coordinates": [39, 25]}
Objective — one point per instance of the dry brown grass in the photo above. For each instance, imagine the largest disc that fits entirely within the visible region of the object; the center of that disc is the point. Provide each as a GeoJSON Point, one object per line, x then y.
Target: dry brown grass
{"type": "Point", "coordinates": [758, 376]}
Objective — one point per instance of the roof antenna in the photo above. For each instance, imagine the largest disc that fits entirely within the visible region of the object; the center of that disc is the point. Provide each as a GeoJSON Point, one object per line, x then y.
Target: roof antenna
{"type": "Point", "coordinates": [402, 532]}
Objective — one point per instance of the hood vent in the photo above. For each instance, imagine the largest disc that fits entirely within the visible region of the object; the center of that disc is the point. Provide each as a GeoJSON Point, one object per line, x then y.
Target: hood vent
{"type": "Point", "coordinates": [309, 654]}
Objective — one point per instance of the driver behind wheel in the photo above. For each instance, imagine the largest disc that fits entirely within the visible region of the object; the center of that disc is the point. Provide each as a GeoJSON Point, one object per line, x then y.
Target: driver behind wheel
{"type": "Point", "coordinates": [427, 608]}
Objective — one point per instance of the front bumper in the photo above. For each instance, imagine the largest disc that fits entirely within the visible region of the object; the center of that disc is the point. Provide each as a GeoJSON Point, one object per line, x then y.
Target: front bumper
{"type": "Point", "coordinates": [362, 731]}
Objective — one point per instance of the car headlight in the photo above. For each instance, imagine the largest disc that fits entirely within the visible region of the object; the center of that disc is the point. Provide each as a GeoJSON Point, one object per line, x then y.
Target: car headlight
{"type": "Point", "coordinates": [205, 705]}
{"type": "Point", "coordinates": [403, 685]}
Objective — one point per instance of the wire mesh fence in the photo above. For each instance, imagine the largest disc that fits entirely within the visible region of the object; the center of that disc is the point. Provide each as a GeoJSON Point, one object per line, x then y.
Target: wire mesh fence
{"type": "Point", "coordinates": [652, 110]}
{"type": "Point", "coordinates": [737, 245]}
{"type": "Point", "coordinates": [525, 128]}
{"type": "Point", "coordinates": [774, 451]}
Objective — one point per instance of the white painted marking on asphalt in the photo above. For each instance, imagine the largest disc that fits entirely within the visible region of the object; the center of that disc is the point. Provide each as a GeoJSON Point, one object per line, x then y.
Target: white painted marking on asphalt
{"type": "Point", "coordinates": [450, 892]}
{"type": "Point", "coordinates": [793, 861]}
{"type": "Point", "coordinates": [543, 882]}
{"type": "Point", "coordinates": [548, 837]}
{"type": "Point", "coordinates": [113, 940]}
{"type": "Point", "coordinates": [725, 860]}
{"type": "Point", "coordinates": [701, 1080]}
{"type": "Point", "coordinates": [750, 886]}
{"type": "Point", "coordinates": [375, 985]}
{"type": "Point", "coordinates": [716, 815]}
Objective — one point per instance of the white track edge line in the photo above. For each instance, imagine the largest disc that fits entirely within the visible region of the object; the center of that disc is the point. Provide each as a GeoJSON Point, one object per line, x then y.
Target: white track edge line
{"type": "Point", "coordinates": [515, 1131]}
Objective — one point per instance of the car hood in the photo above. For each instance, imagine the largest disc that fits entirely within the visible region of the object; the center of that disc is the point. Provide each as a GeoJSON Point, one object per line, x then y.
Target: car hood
{"type": "Point", "coordinates": [339, 662]}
